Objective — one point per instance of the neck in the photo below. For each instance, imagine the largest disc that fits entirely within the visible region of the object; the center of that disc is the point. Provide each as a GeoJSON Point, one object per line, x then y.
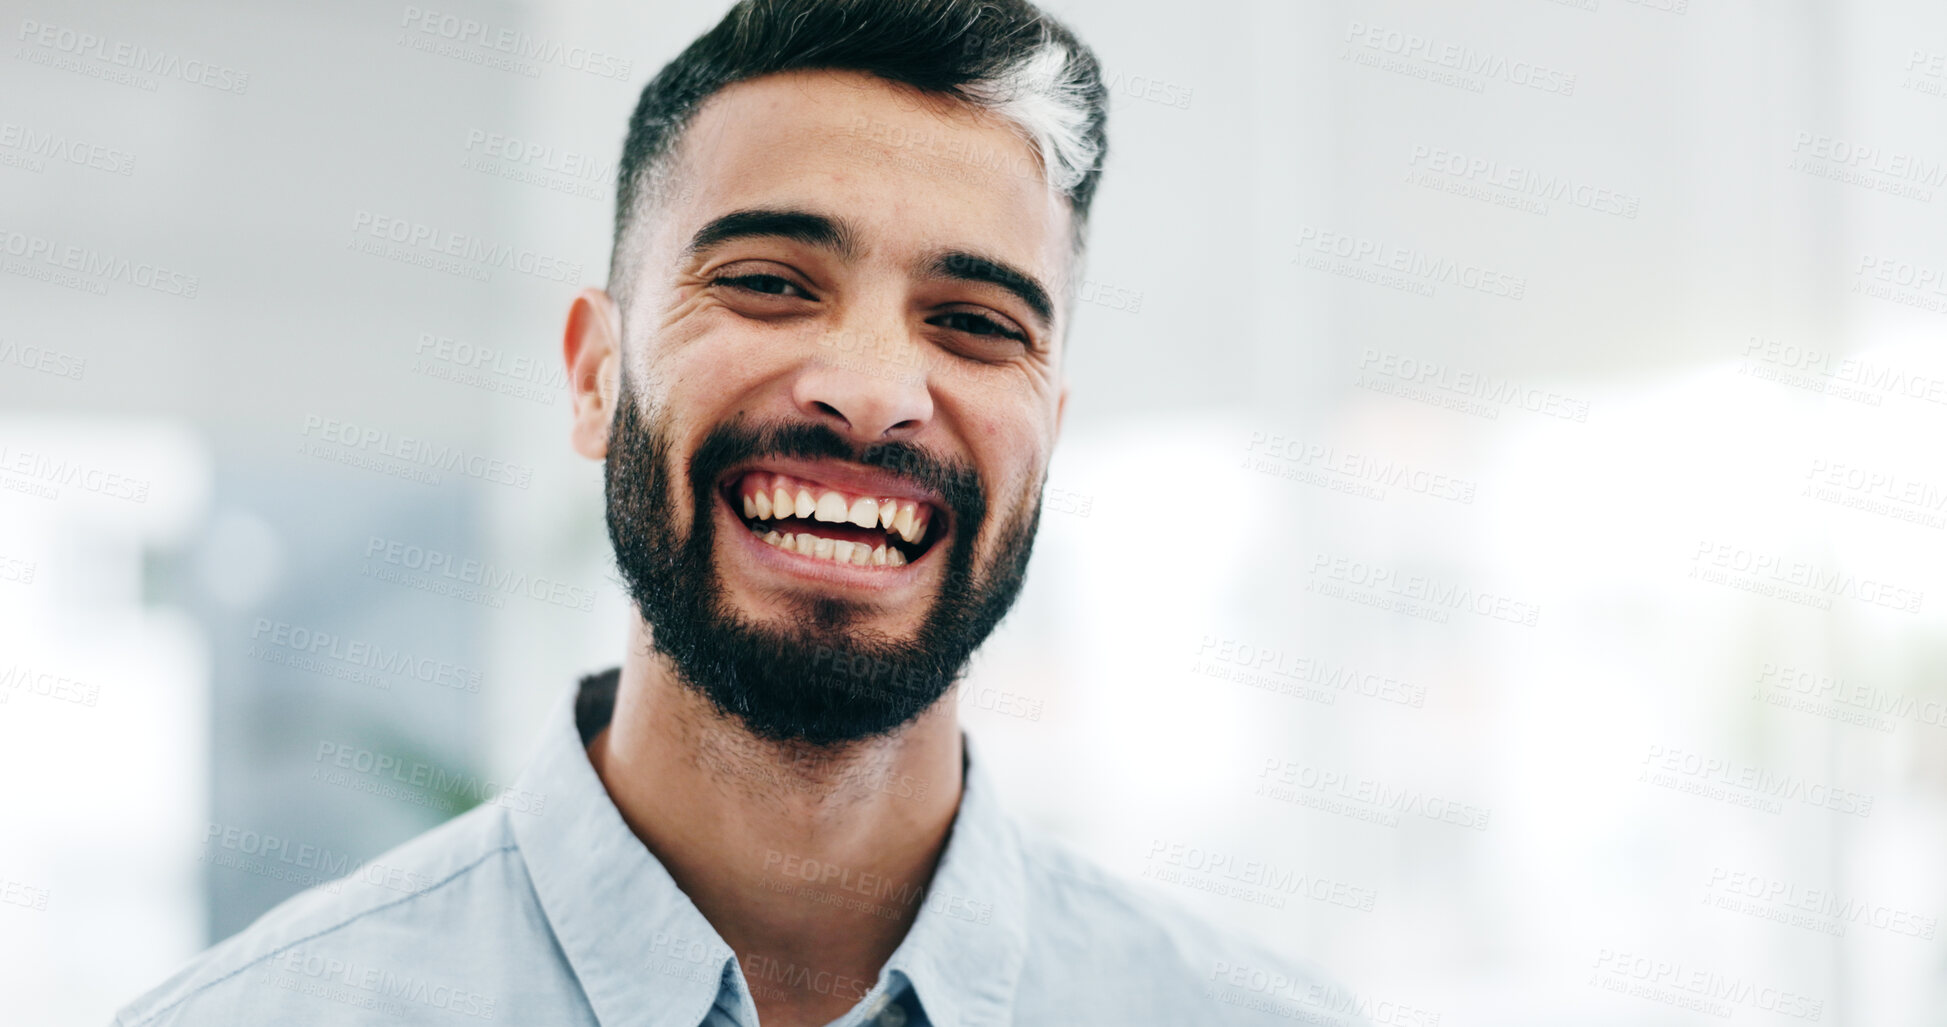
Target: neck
{"type": "Point", "coordinates": [813, 857]}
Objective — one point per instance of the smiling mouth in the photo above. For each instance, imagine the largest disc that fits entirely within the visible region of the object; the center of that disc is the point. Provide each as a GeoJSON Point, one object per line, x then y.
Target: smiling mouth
{"type": "Point", "coordinates": [813, 520]}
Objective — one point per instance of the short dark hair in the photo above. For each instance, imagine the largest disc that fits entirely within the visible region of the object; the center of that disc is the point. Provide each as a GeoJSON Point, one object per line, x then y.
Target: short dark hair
{"type": "Point", "coordinates": [1003, 55]}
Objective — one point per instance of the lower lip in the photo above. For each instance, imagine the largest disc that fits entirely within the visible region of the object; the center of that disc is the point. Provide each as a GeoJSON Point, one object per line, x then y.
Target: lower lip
{"type": "Point", "coordinates": [811, 567]}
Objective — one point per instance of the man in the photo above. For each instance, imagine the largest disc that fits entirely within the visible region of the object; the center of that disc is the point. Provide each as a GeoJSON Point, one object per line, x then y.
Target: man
{"type": "Point", "coordinates": [825, 379]}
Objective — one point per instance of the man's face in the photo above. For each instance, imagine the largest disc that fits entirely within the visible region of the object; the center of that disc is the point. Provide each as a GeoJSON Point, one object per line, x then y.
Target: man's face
{"type": "Point", "coordinates": [841, 389]}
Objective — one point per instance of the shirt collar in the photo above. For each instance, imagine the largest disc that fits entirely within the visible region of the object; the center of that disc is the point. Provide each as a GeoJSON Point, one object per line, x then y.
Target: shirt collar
{"type": "Point", "coordinates": [645, 955]}
{"type": "Point", "coordinates": [965, 950]}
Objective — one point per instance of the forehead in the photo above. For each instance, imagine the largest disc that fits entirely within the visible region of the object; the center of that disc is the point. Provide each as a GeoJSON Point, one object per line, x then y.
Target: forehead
{"type": "Point", "coordinates": [913, 172]}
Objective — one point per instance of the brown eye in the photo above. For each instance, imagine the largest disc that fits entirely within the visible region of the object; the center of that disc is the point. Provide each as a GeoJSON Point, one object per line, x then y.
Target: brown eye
{"type": "Point", "coordinates": [975, 324]}
{"type": "Point", "coordinates": [768, 285]}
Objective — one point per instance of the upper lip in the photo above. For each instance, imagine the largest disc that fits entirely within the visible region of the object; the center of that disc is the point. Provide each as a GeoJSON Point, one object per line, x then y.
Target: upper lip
{"type": "Point", "coordinates": [842, 476]}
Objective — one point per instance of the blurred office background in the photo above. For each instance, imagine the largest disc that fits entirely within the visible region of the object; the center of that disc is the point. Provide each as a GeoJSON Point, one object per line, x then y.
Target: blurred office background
{"type": "Point", "coordinates": [1496, 551]}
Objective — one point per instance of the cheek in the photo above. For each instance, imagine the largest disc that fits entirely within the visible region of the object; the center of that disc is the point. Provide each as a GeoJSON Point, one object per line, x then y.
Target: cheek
{"type": "Point", "coordinates": [1015, 471]}
{"type": "Point", "coordinates": [1010, 431]}
{"type": "Point", "coordinates": [710, 379]}
{"type": "Point", "coordinates": [1005, 412]}
{"type": "Point", "coordinates": [696, 337]}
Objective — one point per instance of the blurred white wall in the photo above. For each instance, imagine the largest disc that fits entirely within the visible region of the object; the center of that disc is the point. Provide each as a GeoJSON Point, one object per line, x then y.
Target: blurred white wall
{"type": "Point", "coordinates": [1496, 551]}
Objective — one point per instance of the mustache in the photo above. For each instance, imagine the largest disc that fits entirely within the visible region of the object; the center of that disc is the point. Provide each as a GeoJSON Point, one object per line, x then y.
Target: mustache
{"type": "Point", "coordinates": [956, 483]}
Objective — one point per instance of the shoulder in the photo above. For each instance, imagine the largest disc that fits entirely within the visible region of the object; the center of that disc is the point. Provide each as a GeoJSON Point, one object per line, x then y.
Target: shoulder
{"type": "Point", "coordinates": [1097, 938]}
{"type": "Point", "coordinates": [378, 912]}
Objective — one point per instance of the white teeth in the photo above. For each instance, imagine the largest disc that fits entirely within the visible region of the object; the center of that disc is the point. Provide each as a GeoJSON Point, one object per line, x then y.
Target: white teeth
{"type": "Point", "coordinates": [917, 529]}
{"type": "Point", "coordinates": [903, 517]}
{"type": "Point", "coordinates": [838, 551]}
{"type": "Point", "coordinates": [831, 507]}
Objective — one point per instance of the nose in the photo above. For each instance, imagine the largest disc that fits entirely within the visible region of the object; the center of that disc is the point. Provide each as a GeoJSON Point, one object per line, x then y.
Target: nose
{"type": "Point", "coordinates": [871, 387]}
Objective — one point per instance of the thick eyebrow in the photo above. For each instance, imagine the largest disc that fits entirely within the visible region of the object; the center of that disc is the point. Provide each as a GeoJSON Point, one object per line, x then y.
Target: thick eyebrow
{"type": "Point", "coordinates": [797, 225]}
{"type": "Point", "coordinates": [970, 267]}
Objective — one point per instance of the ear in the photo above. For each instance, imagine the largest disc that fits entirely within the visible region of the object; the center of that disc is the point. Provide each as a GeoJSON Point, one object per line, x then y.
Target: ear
{"type": "Point", "coordinates": [1061, 406]}
{"type": "Point", "coordinates": [591, 344]}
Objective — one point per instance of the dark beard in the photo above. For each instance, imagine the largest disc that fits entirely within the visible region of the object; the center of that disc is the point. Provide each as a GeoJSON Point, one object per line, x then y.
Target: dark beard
{"type": "Point", "coordinates": [816, 680]}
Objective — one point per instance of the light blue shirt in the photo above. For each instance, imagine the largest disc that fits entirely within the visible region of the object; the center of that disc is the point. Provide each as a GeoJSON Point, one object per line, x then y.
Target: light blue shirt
{"type": "Point", "coordinates": [549, 911]}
